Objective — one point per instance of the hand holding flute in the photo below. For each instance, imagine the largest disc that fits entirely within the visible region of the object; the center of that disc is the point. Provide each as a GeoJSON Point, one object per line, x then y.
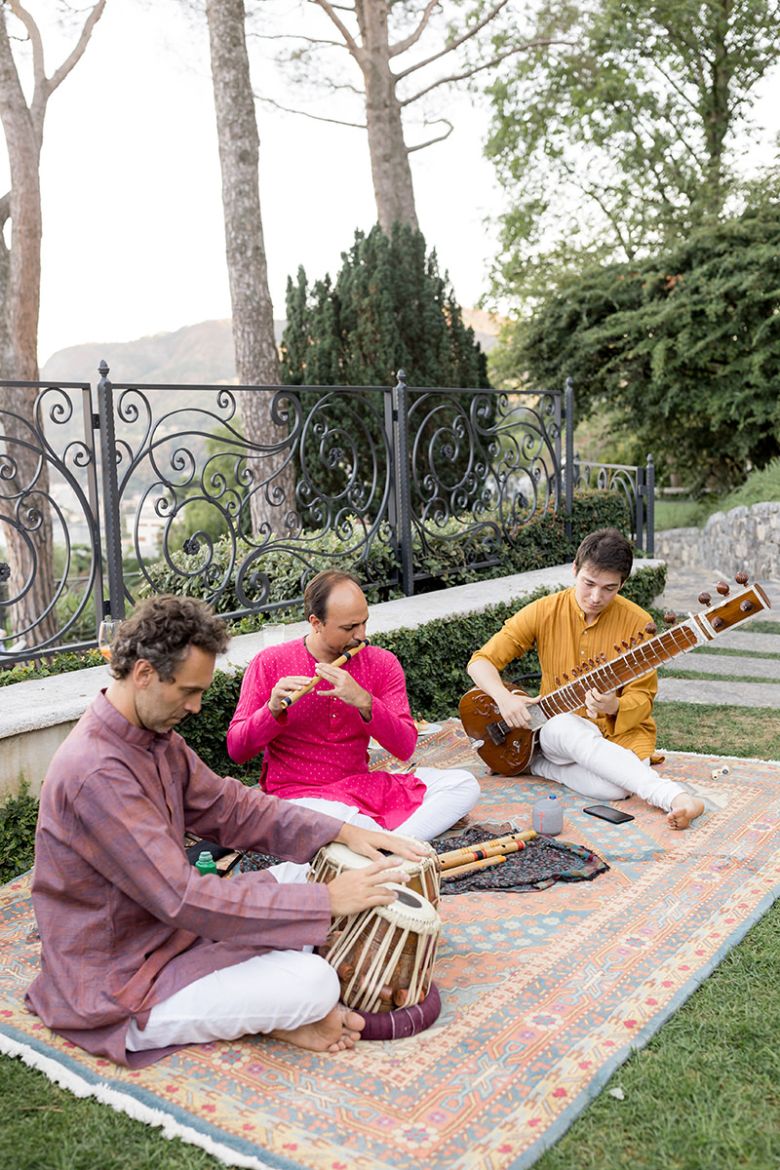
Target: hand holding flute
{"type": "Point", "coordinates": [343, 686]}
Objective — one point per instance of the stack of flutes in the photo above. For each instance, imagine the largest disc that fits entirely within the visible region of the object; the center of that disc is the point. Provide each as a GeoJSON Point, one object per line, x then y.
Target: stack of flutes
{"type": "Point", "coordinates": [471, 858]}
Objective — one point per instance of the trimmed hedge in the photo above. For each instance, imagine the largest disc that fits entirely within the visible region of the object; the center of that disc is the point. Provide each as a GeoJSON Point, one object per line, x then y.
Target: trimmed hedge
{"type": "Point", "coordinates": [18, 817]}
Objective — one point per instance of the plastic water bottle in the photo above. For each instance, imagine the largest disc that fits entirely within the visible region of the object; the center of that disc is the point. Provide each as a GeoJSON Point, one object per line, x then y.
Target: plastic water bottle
{"type": "Point", "coordinates": [548, 816]}
{"type": "Point", "coordinates": [206, 863]}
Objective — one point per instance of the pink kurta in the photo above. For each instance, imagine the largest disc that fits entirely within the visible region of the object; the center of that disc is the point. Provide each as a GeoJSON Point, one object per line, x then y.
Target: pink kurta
{"type": "Point", "coordinates": [319, 747]}
{"type": "Point", "coordinates": [125, 920]}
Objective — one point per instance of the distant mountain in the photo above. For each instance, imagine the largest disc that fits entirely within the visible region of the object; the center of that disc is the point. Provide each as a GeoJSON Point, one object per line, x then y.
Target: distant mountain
{"type": "Point", "coordinates": [197, 354]}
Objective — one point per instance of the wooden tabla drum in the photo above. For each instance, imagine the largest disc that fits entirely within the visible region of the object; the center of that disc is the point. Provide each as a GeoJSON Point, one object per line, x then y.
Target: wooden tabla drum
{"type": "Point", "coordinates": [336, 858]}
{"type": "Point", "coordinates": [384, 956]}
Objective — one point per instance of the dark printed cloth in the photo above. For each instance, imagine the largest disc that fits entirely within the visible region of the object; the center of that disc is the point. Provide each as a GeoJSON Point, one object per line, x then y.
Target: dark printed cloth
{"type": "Point", "coordinates": [543, 861]}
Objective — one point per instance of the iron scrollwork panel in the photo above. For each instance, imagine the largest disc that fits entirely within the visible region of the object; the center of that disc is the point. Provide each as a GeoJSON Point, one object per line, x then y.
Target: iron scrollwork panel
{"type": "Point", "coordinates": [611, 477]}
{"type": "Point", "coordinates": [211, 512]}
{"type": "Point", "coordinates": [483, 464]}
{"type": "Point", "coordinates": [50, 562]}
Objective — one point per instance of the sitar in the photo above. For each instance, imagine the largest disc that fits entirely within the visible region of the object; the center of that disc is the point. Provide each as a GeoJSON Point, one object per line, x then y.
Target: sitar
{"type": "Point", "coordinates": [508, 750]}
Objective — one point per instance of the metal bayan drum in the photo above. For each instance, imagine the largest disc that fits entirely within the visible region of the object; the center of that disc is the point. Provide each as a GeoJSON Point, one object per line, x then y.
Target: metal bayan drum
{"type": "Point", "coordinates": [384, 956]}
{"type": "Point", "coordinates": [335, 858]}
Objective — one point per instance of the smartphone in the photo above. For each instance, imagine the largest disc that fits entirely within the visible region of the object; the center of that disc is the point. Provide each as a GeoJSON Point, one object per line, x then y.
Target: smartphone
{"type": "Point", "coordinates": [607, 813]}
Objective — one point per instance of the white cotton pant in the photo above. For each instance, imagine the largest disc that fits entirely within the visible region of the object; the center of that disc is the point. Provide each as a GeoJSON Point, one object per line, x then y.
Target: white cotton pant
{"type": "Point", "coordinates": [573, 752]}
{"type": "Point", "coordinates": [449, 795]}
{"type": "Point", "coordinates": [277, 990]}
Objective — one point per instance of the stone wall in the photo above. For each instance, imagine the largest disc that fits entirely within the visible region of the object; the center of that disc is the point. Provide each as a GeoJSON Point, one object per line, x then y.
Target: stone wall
{"type": "Point", "coordinates": [744, 538]}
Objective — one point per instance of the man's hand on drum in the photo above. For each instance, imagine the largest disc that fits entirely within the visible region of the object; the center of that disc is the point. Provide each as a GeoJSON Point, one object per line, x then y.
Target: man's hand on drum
{"type": "Point", "coordinates": [513, 708]}
{"type": "Point", "coordinates": [375, 843]}
{"type": "Point", "coordinates": [286, 688]}
{"type": "Point", "coordinates": [360, 889]}
{"type": "Point", "coordinates": [344, 687]}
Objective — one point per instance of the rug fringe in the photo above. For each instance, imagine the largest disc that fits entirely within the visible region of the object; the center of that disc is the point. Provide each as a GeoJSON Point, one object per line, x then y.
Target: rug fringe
{"type": "Point", "coordinates": [715, 756]}
{"type": "Point", "coordinates": [122, 1103]}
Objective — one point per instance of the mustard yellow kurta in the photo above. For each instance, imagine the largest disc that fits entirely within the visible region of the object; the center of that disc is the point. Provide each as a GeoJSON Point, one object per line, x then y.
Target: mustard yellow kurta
{"type": "Point", "coordinates": [555, 625]}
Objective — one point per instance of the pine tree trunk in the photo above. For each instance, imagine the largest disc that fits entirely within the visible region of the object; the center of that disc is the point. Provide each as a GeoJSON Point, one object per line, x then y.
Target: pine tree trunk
{"type": "Point", "coordinates": [24, 497]}
{"type": "Point", "coordinates": [257, 362]}
{"type": "Point", "coordinates": [390, 169]}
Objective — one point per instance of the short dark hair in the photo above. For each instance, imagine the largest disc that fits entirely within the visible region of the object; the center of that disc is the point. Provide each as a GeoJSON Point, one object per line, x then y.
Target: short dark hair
{"type": "Point", "coordinates": [608, 550]}
{"type": "Point", "coordinates": [319, 589]}
{"type": "Point", "coordinates": [161, 631]}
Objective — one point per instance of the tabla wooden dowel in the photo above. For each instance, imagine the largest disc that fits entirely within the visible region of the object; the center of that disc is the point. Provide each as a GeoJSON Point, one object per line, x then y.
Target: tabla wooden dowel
{"type": "Point", "coordinates": [288, 700]}
{"type": "Point", "coordinates": [472, 867]}
{"type": "Point", "coordinates": [455, 856]}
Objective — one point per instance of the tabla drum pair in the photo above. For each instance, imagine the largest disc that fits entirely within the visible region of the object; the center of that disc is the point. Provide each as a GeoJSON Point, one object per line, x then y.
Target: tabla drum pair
{"type": "Point", "coordinates": [335, 858]}
{"type": "Point", "coordinates": [383, 956]}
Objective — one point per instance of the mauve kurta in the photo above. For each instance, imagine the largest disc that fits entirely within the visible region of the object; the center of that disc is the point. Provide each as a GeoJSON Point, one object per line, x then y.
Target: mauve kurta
{"type": "Point", "coordinates": [125, 920]}
{"type": "Point", "coordinates": [557, 627]}
{"type": "Point", "coordinates": [319, 747]}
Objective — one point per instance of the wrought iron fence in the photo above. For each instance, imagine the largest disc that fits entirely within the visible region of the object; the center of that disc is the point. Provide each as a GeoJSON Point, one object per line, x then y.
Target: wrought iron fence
{"type": "Point", "coordinates": [153, 488]}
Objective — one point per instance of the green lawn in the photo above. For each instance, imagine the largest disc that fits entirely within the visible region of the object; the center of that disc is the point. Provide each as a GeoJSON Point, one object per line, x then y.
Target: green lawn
{"type": "Point", "coordinates": [703, 1095]}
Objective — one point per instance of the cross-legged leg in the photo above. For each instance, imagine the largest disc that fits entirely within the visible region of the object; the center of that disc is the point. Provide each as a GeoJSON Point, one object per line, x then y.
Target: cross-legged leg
{"type": "Point", "coordinates": [288, 994]}
{"type": "Point", "coordinates": [575, 753]}
{"type": "Point", "coordinates": [449, 795]}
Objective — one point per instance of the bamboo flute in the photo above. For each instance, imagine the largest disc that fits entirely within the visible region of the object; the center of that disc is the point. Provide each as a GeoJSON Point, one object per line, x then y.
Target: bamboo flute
{"type": "Point", "coordinates": [288, 700]}
{"type": "Point", "coordinates": [472, 867]}
{"type": "Point", "coordinates": [498, 845]}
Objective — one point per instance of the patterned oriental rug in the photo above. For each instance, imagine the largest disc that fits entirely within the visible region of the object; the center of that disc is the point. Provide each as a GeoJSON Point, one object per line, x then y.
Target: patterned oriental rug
{"type": "Point", "coordinates": [544, 993]}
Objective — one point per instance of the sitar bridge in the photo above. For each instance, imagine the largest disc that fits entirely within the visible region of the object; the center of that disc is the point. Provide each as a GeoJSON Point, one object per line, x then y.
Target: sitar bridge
{"type": "Point", "coordinates": [498, 732]}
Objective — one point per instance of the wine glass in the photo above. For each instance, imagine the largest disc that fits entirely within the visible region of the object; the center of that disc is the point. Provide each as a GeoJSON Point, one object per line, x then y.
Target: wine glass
{"type": "Point", "coordinates": [108, 628]}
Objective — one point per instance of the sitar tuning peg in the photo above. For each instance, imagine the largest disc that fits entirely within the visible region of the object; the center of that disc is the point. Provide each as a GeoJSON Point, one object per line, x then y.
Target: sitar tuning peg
{"type": "Point", "coordinates": [651, 628]}
{"type": "Point", "coordinates": [704, 599]}
{"type": "Point", "coordinates": [723, 588]}
{"type": "Point", "coordinates": [741, 577]}
{"type": "Point", "coordinates": [670, 617]}
{"type": "Point", "coordinates": [718, 623]}
{"type": "Point", "coordinates": [746, 606]}
{"type": "Point", "coordinates": [557, 681]}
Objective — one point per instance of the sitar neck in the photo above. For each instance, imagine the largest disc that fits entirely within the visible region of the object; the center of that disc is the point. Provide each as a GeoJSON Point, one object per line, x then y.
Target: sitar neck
{"type": "Point", "coordinates": [633, 663]}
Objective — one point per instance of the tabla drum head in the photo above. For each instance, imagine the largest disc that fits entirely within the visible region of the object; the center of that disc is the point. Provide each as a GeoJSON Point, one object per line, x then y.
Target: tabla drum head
{"type": "Point", "coordinates": [410, 911]}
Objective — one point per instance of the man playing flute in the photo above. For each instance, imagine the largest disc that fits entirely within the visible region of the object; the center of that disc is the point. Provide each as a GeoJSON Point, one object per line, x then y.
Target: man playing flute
{"type": "Point", "coordinates": [139, 952]}
{"type": "Point", "coordinates": [604, 751]}
{"type": "Point", "coordinates": [315, 751]}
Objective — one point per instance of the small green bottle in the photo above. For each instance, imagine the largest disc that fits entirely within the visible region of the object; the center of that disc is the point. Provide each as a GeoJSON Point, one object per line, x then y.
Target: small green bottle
{"type": "Point", "coordinates": [206, 863]}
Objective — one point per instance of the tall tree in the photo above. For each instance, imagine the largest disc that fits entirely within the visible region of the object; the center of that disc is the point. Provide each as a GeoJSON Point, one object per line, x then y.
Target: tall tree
{"type": "Point", "coordinates": [629, 137]}
{"type": "Point", "coordinates": [378, 35]}
{"type": "Point", "coordinates": [28, 536]}
{"type": "Point", "coordinates": [389, 307]}
{"type": "Point", "coordinates": [253, 325]}
{"type": "Point", "coordinates": [682, 349]}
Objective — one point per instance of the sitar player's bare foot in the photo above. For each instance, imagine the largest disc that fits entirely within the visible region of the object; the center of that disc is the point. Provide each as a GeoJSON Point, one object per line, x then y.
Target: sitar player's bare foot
{"type": "Point", "coordinates": [684, 809]}
{"type": "Point", "coordinates": [339, 1030]}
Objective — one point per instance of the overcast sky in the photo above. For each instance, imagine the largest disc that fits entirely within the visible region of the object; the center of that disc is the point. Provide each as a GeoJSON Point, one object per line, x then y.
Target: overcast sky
{"type": "Point", "coordinates": [133, 229]}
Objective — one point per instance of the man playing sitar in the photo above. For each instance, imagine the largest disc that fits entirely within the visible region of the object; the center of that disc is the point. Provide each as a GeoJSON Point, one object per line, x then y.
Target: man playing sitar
{"type": "Point", "coordinates": [604, 750]}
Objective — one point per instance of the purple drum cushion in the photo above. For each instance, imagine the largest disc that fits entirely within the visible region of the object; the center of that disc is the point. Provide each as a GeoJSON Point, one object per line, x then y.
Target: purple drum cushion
{"type": "Point", "coordinates": [403, 1022]}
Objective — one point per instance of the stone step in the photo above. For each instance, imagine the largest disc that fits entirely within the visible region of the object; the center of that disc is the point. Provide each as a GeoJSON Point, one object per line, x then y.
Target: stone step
{"type": "Point", "coordinates": [732, 694]}
{"type": "Point", "coordinates": [729, 665]}
{"type": "Point", "coordinates": [742, 639]}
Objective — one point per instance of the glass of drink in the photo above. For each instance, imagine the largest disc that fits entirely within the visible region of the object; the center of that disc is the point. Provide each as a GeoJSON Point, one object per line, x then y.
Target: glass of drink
{"type": "Point", "coordinates": [108, 628]}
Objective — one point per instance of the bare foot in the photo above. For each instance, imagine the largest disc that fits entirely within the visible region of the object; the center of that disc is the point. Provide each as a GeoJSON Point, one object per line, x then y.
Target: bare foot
{"type": "Point", "coordinates": [338, 1030]}
{"type": "Point", "coordinates": [684, 810]}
